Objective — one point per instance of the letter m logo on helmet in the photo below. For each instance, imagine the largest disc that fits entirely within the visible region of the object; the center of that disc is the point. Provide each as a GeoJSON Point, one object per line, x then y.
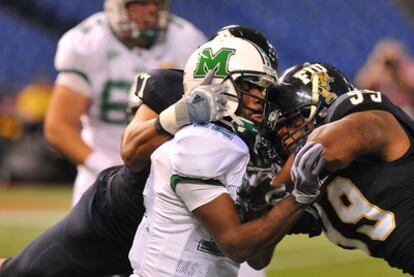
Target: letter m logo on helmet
{"type": "Point", "coordinates": [218, 62]}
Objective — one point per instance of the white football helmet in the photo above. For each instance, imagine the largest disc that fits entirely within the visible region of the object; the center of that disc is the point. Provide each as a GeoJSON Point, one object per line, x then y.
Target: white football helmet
{"type": "Point", "coordinates": [232, 59]}
{"type": "Point", "coordinates": [117, 15]}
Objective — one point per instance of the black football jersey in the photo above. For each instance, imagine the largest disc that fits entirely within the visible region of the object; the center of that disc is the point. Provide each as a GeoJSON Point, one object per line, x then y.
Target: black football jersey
{"type": "Point", "coordinates": [160, 88]}
{"type": "Point", "coordinates": [370, 205]}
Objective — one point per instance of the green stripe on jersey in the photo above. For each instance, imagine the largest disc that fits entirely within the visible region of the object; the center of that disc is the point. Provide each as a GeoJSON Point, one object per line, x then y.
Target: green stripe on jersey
{"type": "Point", "coordinates": [175, 179]}
{"type": "Point", "coordinates": [227, 133]}
{"type": "Point", "coordinates": [81, 74]}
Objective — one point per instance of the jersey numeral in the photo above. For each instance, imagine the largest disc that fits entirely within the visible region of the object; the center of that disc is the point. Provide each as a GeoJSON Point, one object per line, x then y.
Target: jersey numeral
{"type": "Point", "coordinates": [141, 82]}
{"type": "Point", "coordinates": [357, 96]}
{"type": "Point", "coordinates": [114, 102]}
{"type": "Point", "coordinates": [351, 207]}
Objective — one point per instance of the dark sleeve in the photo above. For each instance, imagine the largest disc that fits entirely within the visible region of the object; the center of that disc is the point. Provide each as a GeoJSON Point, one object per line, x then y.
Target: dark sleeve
{"type": "Point", "coordinates": [360, 100]}
{"type": "Point", "coordinates": [365, 100]}
{"type": "Point", "coordinates": [160, 88]}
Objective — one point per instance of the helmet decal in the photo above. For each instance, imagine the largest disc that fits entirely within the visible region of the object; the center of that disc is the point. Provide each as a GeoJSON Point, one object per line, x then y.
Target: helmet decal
{"type": "Point", "coordinates": [320, 86]}
{"type": "Point", "coordinates": [305, 74]}
{"type": "Point", "coordinates": [218, 62]}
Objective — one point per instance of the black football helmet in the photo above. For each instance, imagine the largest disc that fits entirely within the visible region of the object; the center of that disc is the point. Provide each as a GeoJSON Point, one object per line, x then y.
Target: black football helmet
{"type": "Point", "coordinates": [254, 36]}
{"type": "Point", "coordinates": [299, 103]}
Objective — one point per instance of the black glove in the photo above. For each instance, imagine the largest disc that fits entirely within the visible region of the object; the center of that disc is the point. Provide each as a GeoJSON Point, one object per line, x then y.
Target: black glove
{"type": "Point", "coordinates": [252, 192]}
{"type": "Point", "coordinates": [310, 223]}
{"type": "Point", "coordinates": [257, 193]}
{"type": "Point", "coordinates": [305, 171]}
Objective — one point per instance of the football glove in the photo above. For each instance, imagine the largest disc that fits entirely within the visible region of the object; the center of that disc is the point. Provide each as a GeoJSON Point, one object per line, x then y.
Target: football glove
{"type": "Point", "coordinates": [257, 193]}
{"type": "Point", "coordinates": [309, 223]}
{"type": "Point", "coordinates": [205, 103]}
{"type": "Point", "coordinates": [305, 171]}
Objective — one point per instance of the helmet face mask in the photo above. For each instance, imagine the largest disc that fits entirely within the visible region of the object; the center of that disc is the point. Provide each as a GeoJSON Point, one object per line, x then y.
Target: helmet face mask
{"type": "Point", "coordinates": [299, 103]}
{"type": "Point", "coordinates": [234, 61]}
{"type": "Point", "coordinates": [119, 20]}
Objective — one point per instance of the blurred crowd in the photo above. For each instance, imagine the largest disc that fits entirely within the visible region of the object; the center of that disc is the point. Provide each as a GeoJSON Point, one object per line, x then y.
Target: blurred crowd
{"type": "Point", "coordinates": [390, 69]}
{"type": "Point", "coordinates": [25, 156]}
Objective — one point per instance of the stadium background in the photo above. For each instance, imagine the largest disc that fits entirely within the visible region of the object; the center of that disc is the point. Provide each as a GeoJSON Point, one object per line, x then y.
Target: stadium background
{"type": "Point", "coordinates": [334, 31]}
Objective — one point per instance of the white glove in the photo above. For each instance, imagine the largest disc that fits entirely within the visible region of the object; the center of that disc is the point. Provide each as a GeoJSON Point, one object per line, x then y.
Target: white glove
{"type": "Point", "coordinates": [305, 171]}
{"type": "Point", "coordinates": [96, 162]}
{"type": "Point", "coordinates": [204, 104]}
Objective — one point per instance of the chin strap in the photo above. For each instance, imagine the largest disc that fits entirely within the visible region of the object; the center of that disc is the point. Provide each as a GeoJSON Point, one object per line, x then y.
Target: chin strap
{"type": "Point", "coordinates": [244, 126]}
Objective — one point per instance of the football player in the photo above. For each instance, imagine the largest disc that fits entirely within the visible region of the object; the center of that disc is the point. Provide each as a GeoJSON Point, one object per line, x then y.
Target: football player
{"type": "Point", "coordinates": [141, 138]}
{"type": "Point", "coordinates": [97, 61]}
{"type": "Point", "coordinates": [367, 196]}
{"type": "Point", "coordinates": [94, 239]}
{"type": "Point", "coordinates": [191, 226]}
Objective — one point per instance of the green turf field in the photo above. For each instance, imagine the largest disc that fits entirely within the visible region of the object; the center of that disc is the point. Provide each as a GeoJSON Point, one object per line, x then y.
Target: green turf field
{"type": "Point", "coordinates": [27, 211]}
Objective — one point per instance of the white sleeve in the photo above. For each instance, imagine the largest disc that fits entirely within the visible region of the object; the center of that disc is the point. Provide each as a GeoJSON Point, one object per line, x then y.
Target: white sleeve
{"type": "Point", "coordinates": [73, 52]}
{"type": "Point", "coordinates": [75, 55]}
{"type": "Point", "coordinates": [182, 30]}
{"type": "Point", "coordinates": [208, 153]}
{"type": "Point", "coordinates": [196, 195]}
{"type": "Point", "coordinates": [74, 82]}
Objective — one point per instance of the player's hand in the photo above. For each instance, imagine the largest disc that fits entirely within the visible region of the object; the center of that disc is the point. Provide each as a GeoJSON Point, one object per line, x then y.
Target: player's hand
{"type": "Point", "coordinates": [205, 103]}
{"type": "Point", "coordinates": [275, 194]}
{"type": "Point", "coordinates": [309, 223]}
{"type": "Point", "coordinates": [305, 171]}
{"type": "Point", "coordinates": [258, 193]}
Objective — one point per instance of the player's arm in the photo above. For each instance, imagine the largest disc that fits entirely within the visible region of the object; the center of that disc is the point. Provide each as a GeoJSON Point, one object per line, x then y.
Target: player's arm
{"type": "Point", "coordinates": [374, 134]}
{"type": "Point", "coordinates": [141, 138]}
{"type": "Point", "coordinates": [252, 241]}
{"type": "Point", "coordinates": [62, 123]}
{"type": "Point", "coordinates": [71, 98]}
{"type": "Point", "coordinates": [148, 130]}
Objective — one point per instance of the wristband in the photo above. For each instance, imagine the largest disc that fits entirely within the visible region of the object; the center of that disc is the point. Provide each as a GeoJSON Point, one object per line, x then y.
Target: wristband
{"type": "Point", "coordinates": [158, 127]}
{"type": "Point", "coordinates": [174, 117]}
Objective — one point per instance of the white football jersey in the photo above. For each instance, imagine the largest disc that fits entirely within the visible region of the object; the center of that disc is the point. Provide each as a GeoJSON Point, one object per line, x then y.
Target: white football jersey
{"type": "Point", "coordinates": [92, 51]}
{"type": "Point", "coordinates": [170, 241]}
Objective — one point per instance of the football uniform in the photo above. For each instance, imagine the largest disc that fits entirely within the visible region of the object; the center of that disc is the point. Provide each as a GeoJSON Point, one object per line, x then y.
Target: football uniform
{"type": "Point", "coordinates": [200, 163]}
{"type": "Point", "coordinates": [370, 204]}
{"type": "Point", "coordinates": [94, 62]}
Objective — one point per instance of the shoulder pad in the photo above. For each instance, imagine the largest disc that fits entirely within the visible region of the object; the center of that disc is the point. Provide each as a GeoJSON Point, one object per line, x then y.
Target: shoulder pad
{"type": "Point", "coordinates": [187, 29]}
{"type": "Point", "coordinates": [207, 151]}
{"type": "Point", "coordinates": [159, 88]}
{"type": "Point", "coordinates": [79, 46]}
{"type": "Point", "coordinates": [356, 101]}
